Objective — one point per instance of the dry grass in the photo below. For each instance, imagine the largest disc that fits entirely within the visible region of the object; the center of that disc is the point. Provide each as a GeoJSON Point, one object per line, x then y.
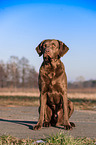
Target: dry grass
{"type": "Point", "coordinates": [82, 98]}
{"type": "Point", "coordinates": [30, 90]}
{"type": "Point", "coordinates": [19, 92]}
{"type": "Point", "coordinates": [86, 96]}
{"type": "Point", "coordinates": [83, 90]}
{"type": "Point", "coordinates": [88, 93]}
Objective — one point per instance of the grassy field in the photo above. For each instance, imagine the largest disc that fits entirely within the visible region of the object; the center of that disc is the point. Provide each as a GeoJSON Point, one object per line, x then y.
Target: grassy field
{"type": "Point", "coordinates": [58, 139]}
{"type": "Point", "coordinates": [82, 98]}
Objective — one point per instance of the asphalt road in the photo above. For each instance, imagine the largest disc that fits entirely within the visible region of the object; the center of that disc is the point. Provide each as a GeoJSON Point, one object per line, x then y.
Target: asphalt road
{"type": "Point", "coordinates": [19, 122]}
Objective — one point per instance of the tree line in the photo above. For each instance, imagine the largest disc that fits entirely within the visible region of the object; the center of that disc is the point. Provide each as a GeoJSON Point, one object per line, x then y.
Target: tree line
{"type": "Point", "coordinates": [82, 84]}
{"type": "Point", "coordinates": [18, 73]}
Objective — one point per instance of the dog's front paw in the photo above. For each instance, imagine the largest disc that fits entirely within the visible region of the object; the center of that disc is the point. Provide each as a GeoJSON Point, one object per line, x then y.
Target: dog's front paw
{"type": "Point", "coordinates": [47, 124]}
{"type": "Point", "coordinates": [72, 124]}
{"type": "Point", "coordinates": [67, 125]}
{"type": "Point", "coordinates": [37, 127]}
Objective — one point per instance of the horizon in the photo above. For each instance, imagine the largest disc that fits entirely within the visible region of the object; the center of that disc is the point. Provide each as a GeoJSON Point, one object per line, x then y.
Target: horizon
{"type": "Point", "coordinates": [24, 24]}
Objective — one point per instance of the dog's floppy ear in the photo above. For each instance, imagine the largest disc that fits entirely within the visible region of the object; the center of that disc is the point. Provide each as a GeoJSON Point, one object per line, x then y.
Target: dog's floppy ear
{"type": "Point", "coordinates": [62, 48]}
{"type": "Point", "coordinates": [39, 48]}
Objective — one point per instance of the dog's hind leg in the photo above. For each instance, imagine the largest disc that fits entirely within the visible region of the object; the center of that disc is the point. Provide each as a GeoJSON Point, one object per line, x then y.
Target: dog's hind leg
{"type": "Point", "coordinates": [70, 111]}
{"type": "Point", "coordinates": [70, 108]}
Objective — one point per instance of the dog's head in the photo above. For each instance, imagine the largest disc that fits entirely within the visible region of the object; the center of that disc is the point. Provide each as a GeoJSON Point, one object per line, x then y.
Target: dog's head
{"type": "Point", "coordinates": [51, 49]}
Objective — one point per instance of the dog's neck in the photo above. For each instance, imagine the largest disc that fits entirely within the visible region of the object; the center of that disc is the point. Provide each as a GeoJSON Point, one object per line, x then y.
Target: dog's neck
{"type": "Point", "coordinates": [53, 63]}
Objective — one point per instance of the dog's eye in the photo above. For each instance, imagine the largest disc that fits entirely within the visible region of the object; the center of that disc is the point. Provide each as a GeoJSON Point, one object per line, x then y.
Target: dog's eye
{"type": "Point", "coordinates": [53, 45]}
{"type": "Point", "coordinates": [44, 45]}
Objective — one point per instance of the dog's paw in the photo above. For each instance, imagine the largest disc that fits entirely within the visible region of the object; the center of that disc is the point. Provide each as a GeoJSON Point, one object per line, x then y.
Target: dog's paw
{"type": "Point", "coordinates": [37, 127]}
{"type": "Point", "coordinates": [47, 124]}
{"type": "Point", "coordinates": [67, 127]}
{"type": "Point", "coordinates": [72, 124]}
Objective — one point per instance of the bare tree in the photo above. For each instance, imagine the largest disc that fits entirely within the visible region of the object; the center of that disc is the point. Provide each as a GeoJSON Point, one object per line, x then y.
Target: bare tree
{"type": "Point", "coordinates": [33, 78]}
{"type": "Point", "coordinates": [80, 79]}
{"type": "Point", "coordinates": [2, 74]}
{"type": "Point", "coordinates": [13, 71]}
{"type": "Point", "coordinates": [18, 73]}
{"type": "Point", "coordinates": [24, 68]}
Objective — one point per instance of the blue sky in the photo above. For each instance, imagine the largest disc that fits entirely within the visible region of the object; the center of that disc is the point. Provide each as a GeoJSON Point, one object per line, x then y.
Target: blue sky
{"type": "Point", "coordinates": [25, 23]}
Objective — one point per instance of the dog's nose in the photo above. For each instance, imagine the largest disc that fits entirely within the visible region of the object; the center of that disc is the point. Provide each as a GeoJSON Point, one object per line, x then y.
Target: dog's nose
{"type": "Point", "coordinates": [46, 50]}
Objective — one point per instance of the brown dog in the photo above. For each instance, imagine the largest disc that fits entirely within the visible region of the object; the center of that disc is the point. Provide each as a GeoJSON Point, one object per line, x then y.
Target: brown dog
{"type": "Point", "coordinates": [55, 108]}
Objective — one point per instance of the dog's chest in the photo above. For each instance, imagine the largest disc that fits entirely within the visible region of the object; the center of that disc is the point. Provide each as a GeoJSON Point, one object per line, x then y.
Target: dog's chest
{"type": "Point", "coordinates": [53, 78]}
{"type": "Point", "coordinates": [51, 75]}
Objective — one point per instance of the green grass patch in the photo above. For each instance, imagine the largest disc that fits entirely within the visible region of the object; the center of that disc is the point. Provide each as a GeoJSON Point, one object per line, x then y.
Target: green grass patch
{"type": "Point", "coordinates": [58, 139]}
{"type": "Point", "coordinates": [9, 140]}
{"type": "Point", "coordinates": [62, 139]}
{"type": "Point", "coordinates": [19, 101]}
{"type": "Point", "coordinates": [83, 100]}
{"type": "Point", "coordinates": [19, 98]}
{"type": "Point", "coordinates": [84, 104]}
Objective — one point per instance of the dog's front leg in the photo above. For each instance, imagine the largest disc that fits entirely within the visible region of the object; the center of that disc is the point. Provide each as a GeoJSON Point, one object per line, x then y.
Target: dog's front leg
{"type": "Point", "coordinates": [41, 115]}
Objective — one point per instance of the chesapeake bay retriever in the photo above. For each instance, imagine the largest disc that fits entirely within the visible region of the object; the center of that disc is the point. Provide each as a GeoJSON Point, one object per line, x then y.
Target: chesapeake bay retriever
{"type": "Point", "coordinates": [55, 109]}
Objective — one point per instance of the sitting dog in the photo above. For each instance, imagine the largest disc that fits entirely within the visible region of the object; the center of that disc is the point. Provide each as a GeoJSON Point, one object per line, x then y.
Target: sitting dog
{"type": "Point", "coordinates": [55, 109]}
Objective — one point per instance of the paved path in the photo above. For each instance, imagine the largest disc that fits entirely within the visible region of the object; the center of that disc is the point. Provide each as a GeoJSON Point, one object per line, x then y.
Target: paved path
{"type": "Point", "coordinates": [19, 121]}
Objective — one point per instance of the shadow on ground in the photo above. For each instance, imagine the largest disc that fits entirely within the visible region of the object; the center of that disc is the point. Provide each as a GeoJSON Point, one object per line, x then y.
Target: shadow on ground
{"type": "Point", "coordinates": [25, 123]}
